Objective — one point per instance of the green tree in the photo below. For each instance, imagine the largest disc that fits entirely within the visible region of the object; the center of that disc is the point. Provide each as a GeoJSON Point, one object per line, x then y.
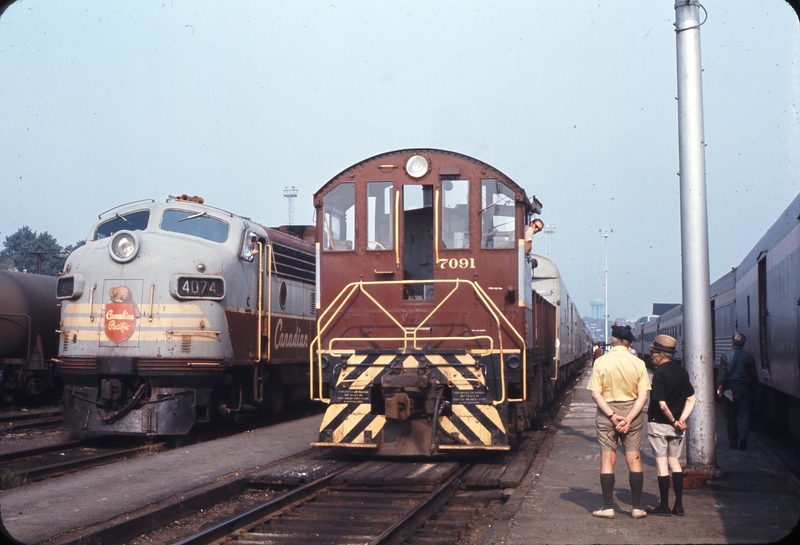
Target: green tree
{"type": "Point", "coordinates": [21, 248]}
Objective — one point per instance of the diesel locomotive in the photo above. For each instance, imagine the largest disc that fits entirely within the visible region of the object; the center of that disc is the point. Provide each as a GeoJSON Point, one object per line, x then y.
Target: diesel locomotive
{"type": "Point", "coordinates": [436, 331]}
{"type": "Point", "coordinates": [178, 312]}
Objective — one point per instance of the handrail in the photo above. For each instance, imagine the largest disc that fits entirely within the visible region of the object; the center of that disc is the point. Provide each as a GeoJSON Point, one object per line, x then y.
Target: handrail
{"type": "Point", "coordinates": [410, 334]}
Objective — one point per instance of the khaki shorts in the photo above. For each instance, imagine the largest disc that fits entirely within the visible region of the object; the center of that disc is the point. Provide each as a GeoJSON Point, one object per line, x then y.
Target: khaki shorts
{"type": "Point", "coordinates": [665, 440]}
{"type": "Point", "coordinates": [608, 437]}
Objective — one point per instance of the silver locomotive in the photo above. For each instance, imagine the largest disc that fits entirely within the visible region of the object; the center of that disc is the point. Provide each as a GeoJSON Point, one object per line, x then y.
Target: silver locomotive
{"type": "Point", "coordinates": [178, 312]}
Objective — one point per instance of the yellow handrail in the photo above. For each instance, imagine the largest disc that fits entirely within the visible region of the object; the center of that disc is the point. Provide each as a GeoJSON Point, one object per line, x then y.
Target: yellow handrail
{"type": "Point", "coordinates": [351, 290]}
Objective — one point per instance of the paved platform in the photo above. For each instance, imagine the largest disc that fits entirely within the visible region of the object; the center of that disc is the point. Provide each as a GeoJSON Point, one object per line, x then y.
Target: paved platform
{"type": "Point", "coordinates": [37, 512]}
{"type": "Point", "coordinates": [755, 499]}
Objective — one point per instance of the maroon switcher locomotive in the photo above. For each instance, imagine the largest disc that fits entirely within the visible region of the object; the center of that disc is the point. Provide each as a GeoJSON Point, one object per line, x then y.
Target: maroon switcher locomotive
{"type": "Point", "coordinates": [430, 337]}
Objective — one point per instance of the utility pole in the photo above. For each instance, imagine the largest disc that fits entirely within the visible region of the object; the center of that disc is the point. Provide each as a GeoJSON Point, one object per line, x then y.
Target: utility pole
{"type": "Point", "coordinates": [698, 355]}
{"type": "Point", "coordinates": [290, 193]}
{"type": "Point", "coordinates": [605, 233]}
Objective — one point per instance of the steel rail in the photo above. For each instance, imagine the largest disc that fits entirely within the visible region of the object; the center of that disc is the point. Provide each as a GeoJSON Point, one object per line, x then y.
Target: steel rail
{"type": "Point", "coordinates": [229, 526]}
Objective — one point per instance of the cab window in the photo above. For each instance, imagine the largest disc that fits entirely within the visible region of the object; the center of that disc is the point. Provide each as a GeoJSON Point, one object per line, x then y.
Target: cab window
{"type": "Point", "coordinates": [497, 215]}
{"type": "Point", "coordinates": [455, 214]}
{"type": "Point", "coordinates": [196, 224]}
{"type": "Point", "coordinates": [338, 209]}
{"type": "Point", "coordinates": [380, 216]}
{"type": "Point", "coordinates": [132, 221]}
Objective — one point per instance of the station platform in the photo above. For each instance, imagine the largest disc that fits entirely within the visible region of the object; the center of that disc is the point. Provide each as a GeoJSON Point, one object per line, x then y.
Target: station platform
{"type": "Point", "coordinates": [39, 512]}
{"type": "Point", "coordinates": [752, 498]}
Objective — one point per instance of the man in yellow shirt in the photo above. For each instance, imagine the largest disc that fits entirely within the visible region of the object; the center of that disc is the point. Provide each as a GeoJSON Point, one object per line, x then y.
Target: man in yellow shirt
{"type": "Point", "coordinates": [620, 386]}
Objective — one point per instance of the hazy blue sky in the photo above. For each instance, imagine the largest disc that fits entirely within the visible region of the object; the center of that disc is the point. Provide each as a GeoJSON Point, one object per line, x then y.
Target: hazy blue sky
{"type": "Point", "coordinates": [107, 102]}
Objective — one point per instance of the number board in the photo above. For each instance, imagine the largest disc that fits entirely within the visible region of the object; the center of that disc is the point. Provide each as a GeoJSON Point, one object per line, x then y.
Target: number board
{"type": "Point", "coordinates": [205, 287]}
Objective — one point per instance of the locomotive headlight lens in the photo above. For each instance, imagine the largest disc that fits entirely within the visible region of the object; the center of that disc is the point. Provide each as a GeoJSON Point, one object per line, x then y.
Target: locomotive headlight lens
{"type": "Point", "coordinates": [124, 246]}
{"type": "Point", "coordinates": [417, 166]}
{"type": "Point", "coordinates": [513, 362]}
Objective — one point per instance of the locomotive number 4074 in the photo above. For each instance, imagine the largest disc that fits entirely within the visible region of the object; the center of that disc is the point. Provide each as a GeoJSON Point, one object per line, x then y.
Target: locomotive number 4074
{"type": "Point", "coordinates": [453, 263]}
{"type": "Point", "coordinates": [201, 287]}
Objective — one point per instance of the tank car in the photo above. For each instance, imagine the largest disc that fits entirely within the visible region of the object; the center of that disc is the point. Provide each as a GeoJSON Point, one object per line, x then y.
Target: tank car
{"type": "Point", "coordinates": [430, 338]}
{"type": "Point", "coordinates": [178, 312]}
{"type": "Point", "coordinates": [29, 318]}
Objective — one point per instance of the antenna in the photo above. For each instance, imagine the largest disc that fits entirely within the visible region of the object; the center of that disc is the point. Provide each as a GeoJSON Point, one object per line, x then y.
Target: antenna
{"type": "Point", "coordinates": [290, 193]}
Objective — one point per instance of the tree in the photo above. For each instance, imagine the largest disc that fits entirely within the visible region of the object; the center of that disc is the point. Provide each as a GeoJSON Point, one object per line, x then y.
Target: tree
{"type": "Point", "coordinates": [24, 249]}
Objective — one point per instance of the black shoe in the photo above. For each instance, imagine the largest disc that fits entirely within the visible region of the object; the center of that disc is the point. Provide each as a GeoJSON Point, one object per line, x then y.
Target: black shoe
{"type": "Point", "coordinates": [742, 445]}
{"type": "Point", "coordinates": [678, 510]}
{"type": "Point", "coordinates": [661, 510]}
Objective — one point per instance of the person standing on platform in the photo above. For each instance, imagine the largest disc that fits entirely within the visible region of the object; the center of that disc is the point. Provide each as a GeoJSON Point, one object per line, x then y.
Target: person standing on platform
{"type": "Point", "coordinates": [672, 400]}
{"type": "Point", "coordinates": [737, 382]}
{"type": "Point", "coordinates": [619, 386]}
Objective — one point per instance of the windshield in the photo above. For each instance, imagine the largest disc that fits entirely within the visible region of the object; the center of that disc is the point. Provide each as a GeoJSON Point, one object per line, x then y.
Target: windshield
{"type": "Point", "coordinates": [196, 224]}
{"type": "Point", "coordinates": [132, 221]}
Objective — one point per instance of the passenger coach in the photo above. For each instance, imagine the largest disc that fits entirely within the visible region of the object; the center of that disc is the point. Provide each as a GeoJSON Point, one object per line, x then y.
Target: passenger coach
{"type": "Point", "coordinates": [429, 335]}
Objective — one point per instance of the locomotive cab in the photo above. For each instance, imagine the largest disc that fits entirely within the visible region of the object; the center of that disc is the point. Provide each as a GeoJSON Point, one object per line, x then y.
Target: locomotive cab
{"type": "Point", "coordinates": [425, 310]}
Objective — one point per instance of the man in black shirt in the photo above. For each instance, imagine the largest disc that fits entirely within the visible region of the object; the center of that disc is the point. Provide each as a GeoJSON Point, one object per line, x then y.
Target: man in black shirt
{"type": "Point", "coordinates": [671, 402]}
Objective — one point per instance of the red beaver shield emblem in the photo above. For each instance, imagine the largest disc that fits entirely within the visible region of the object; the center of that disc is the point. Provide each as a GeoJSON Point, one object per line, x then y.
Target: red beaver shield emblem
{"type": "Point", "coordinates": [120, 315]}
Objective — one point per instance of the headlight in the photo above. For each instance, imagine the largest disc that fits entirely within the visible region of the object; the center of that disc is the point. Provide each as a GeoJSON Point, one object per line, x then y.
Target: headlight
{"type": "Point", "coordinates": [513, 362]}
{"type": "Point", "coordinates": [417, 166]}
{"type": "Point", "coordinates": [124, 246]}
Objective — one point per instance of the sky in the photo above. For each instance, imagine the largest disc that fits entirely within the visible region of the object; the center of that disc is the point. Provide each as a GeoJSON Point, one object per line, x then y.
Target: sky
{"type": "Point", "coordinates": [103, 103]}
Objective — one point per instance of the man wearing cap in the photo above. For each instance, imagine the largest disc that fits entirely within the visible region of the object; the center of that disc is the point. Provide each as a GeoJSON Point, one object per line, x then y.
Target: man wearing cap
{"type": "Point", "coordinates": [671, 402]}
{"type": "Point", "coordinates": [737, 373]}
{"type": "Point", "coordinates": [619, 386]}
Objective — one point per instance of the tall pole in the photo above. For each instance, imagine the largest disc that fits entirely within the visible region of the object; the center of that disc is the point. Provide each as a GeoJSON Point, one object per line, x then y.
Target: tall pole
{"type": "Point", "coordinates": [605, 233]}
{"type": "Point", "coordinates": [290, 193]}
{"type": "Point", "coordinates": [698, 356]}
{"type": "Point", "coordinates": [549, 229]}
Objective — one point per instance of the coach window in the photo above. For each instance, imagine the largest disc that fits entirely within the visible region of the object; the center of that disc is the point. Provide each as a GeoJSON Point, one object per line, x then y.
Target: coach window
{"type": "Point", "coordinates": [497, 215]}
{"type": "Point", "coordinates": [338, 230]}
{"type": "Point", "coordinates": [380, 216]}
{"type": "Point", "coordinates": [455, 214]}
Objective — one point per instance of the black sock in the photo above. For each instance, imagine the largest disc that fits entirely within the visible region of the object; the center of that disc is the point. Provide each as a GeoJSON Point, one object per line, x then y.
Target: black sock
{"type": "Point", "coordinates": [607, 484]}
{"type": "Point", "coordinates": [663, 488]}
{"type": "Point", "coordinates": [636, 481]}
{"type": "Point", "coordinates": [677, 485]}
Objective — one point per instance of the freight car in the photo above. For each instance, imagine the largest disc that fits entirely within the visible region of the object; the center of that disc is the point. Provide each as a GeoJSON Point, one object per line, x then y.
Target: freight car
{"type": "Point", "coordinates": [178, 312]}
{"type": "Point", "coordinates": [430, 337]}
{"type": "Point", "coordinates": [29, 317]}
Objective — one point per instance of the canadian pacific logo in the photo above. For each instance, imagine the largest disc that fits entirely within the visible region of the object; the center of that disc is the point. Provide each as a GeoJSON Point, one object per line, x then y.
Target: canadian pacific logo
{"type": "Point", "coordinates": [120, 315]}
{"type": "Point", "coordinates": [298, 339]}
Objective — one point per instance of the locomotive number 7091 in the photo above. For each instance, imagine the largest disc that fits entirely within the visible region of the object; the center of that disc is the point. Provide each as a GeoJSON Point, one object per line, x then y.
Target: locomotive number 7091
{"type": "Point", "coordinates": [453, 263]}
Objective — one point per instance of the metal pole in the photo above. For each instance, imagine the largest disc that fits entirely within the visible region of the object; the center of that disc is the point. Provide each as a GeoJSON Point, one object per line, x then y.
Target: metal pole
{"type": "Point", "coordinates": [606, 233]}
{"type": "Point", "coordinates": [698, 356]}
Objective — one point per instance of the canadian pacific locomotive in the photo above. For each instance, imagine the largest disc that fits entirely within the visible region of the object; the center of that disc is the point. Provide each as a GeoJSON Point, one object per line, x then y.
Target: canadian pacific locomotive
{"type": "Point", "coordinates": [29, 316]}
{"type": "Point", "coordinates": [178, 312]}
{"type": "Point", "coordinates": [431, 337]}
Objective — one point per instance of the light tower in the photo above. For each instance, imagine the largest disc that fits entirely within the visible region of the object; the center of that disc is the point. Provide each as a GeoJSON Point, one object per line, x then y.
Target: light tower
{"type": "Point", "coordinates": [549, 229]}
{"type": "Point", "coordinates": [290, 193]}
{"type": "Point", "coordinates": [605, 233]}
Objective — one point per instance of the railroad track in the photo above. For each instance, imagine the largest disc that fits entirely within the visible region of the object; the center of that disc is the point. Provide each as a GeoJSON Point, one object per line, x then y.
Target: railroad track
{"type": "Point", "coordinates": [329, 510]}
{"type": "Point", "coordinates": [22, 421]}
